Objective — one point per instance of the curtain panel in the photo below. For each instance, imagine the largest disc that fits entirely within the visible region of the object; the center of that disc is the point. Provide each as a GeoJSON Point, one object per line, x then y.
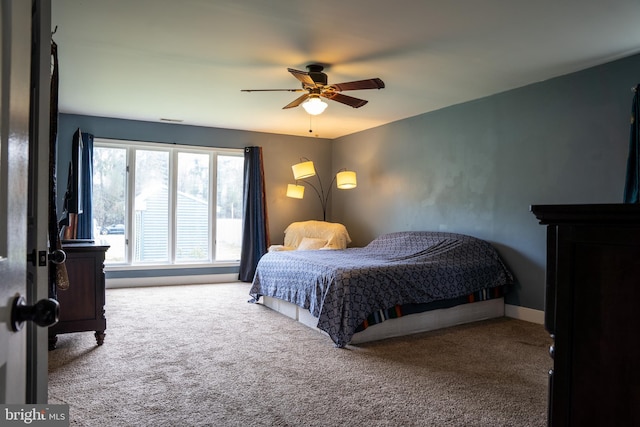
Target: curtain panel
{"type": "Point", "coordinates": [77, 218]}
{"type": "Point", "coordinates": [85, 175]}
{"type": "Point", "coordinates": [255, 225]}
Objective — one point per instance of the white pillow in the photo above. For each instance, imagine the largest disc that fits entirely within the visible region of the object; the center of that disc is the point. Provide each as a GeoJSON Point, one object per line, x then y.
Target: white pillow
{"type": "Point", "coordinates": [310, 243]}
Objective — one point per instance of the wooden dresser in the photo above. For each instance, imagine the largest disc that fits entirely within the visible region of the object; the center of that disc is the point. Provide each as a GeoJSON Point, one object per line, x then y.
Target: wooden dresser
{"type": "Point", "coordinates": [82, 305]}
{"type": "Point", "coordinates": [592, 312]}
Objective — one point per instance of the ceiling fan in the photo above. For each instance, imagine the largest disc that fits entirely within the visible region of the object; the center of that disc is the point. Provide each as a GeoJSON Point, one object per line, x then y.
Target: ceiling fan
{"type": "Point", "coordinates": [314, 83]}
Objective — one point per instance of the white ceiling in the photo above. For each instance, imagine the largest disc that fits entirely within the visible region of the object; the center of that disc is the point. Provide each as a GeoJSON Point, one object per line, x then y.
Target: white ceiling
{"type": "Point", "coordinates": [188, 60]}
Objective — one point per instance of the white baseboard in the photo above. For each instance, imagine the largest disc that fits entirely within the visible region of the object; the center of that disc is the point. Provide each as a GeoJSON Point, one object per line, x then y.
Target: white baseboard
{"type": "Point", "coordinates": [524, 313]}
{"type": "Point", "coordinates": [199, 279]}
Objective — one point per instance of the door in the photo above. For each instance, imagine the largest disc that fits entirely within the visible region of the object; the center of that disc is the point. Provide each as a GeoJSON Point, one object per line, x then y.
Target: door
{"type": "Point", "coordinates": [15, 29]}
{"type": "Point", "coordinates": [38, 203]}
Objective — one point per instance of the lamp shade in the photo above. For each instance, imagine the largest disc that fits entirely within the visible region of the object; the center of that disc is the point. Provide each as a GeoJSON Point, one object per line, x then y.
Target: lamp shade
{"type": "Point", "coordinates": [295, 191]}
{"type": "Point", "coordinates": [303, 170]}
{"type": "Point", "coordinates": [314, 105]}
{"type": "Point", "coordinates": [346, 180]}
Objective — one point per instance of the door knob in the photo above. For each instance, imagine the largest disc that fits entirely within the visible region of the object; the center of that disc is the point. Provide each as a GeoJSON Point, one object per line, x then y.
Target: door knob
{"type": "Point", "coordinates": [45, 312]}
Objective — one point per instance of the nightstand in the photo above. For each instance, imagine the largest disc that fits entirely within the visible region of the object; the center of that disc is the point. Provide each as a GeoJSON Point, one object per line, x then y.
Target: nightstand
{"type": "Point", "coordinates": [82, 305]}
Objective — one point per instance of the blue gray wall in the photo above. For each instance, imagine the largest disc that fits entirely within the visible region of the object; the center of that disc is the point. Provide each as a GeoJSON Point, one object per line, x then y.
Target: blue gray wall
{"type": "Point", "coordinates": [475, 168]}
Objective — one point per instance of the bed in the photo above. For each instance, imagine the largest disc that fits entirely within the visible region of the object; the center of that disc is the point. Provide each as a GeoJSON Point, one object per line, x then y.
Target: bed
{"type": "Point", "coordinates": [346, 293]}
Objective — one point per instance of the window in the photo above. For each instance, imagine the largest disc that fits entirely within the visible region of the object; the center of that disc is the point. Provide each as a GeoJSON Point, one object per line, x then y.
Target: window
{"type": "Point", "coordinates": [167, 205]}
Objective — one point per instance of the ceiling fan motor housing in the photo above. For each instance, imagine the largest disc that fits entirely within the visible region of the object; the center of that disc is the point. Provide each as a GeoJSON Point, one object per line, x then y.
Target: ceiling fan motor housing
{"type": "Point", "coordinates": [316, 74]}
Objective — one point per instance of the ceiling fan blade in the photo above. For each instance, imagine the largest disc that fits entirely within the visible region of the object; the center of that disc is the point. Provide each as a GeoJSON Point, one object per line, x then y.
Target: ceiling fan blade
{"type": "Point", "coordinates": [272, 90]}
{"type": "Point", "coordinates": [344, 99]}
{"type": "Point", "coordinates": [303, 76]}
{"type": "Point", "coordinates": [359, 85]}
{"type": "Point", "coordinates": [296, 101]}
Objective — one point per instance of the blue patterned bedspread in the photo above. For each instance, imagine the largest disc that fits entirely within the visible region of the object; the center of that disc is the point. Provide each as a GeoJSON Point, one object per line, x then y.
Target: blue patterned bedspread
{"type": "Point", "coordinates": [342, 287]}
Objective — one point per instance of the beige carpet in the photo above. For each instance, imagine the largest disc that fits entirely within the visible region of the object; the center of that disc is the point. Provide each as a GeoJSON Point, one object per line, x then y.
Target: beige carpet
{"type": "Point", "coordinates": [202, 356]}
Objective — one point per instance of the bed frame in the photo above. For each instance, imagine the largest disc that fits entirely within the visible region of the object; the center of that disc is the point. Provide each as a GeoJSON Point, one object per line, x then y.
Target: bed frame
{"type": "Point", "coordinates": [405, 325]}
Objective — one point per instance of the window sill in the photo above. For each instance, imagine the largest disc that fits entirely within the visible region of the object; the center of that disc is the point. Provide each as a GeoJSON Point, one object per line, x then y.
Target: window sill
{"type": "Point", "coordinates": [195, 266]}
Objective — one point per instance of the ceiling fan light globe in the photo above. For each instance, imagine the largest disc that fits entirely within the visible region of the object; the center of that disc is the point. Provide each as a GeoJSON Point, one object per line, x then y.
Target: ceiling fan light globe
{"type": "Point", "coordinates": [314, 106]}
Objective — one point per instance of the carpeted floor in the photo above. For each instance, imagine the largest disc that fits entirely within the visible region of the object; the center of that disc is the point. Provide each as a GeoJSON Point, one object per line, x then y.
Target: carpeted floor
{"type": "Point", "coordinates": [202, 356]}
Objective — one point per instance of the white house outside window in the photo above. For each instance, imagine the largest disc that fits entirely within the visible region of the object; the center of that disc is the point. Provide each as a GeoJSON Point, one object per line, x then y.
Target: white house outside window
{"type": "Point", "coordinates": [159, 204]}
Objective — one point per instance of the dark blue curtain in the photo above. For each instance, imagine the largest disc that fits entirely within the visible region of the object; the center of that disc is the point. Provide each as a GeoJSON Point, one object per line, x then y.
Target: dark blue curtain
{"type": "Point", "coordinates": [255, 224]}
{"type": "Point", "coordinates": [633, 161]}
{"type": "Point", "coordinates": [85, 218]}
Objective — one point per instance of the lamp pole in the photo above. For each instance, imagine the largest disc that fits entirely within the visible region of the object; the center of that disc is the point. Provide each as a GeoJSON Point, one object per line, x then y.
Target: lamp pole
{"type": "Point", "coordinates": [324, 198]}
{"type": "Point", "coordinates": [305, 170]}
